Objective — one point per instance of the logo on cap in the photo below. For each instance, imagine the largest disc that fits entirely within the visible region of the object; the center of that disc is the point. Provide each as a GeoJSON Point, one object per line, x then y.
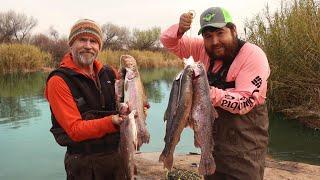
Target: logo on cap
{"type": "Point", "coordinates": [208, 17]}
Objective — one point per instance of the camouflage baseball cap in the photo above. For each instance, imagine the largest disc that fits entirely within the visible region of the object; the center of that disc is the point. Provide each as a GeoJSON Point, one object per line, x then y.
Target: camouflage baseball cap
{"type": "Point", "coordinates": [214, 17]}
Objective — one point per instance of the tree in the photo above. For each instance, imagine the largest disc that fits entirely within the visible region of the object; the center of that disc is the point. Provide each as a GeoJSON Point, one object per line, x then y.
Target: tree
{"type": "Point", "coordinates": [54, 33]}
{"type": "Point", "coordinates": [145, 39]}
{"type": "Point", "coordinates": [115, 37]}
{"type": "Point", "coordinates": [15, 27]}
{"type": "Point", "coordinates": [57, 47]}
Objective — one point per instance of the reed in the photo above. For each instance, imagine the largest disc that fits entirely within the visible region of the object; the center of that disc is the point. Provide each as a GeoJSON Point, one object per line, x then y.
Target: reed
{"type": "Point", "coordinates": [22, 58]}
{"type": "Point", "coordinates": [145, 59]}
{"type": "Point", "coordinates": [291, 39]}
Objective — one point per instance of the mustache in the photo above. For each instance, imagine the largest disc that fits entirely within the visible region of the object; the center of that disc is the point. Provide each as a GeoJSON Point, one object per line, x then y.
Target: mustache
{"type": "Point", "coordinates": [86, 51]}
{"type": "Point", "coordinates": [216, 46]}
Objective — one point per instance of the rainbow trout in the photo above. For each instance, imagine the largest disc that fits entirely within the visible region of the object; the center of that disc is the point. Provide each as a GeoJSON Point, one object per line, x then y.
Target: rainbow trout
{"type": "Point", "coordinates": [128, 145]}
{"type": "Point", "coordinates": [203, 115]}
{"type": "Point", "coordinates": [134, 96]}
{"type": "Point", "coordinates": [177, 114]}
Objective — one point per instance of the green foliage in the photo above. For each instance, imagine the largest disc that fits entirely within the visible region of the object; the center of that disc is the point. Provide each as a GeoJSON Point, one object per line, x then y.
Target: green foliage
{"type": "Point", "coordinates": [145, 59]}
{"type": "Point", "coordinates": [22, 58]}
{"type": "Point", "coordinates": [291, 39]}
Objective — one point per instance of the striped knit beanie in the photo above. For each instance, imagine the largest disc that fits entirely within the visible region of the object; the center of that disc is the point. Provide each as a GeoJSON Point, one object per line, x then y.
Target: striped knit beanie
{"type": "Point", "coordinates": [85, 27]}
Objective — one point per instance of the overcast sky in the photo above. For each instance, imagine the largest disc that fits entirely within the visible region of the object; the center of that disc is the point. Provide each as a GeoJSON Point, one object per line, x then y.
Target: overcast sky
{"type": "Point", "coordinates": [142, 14]}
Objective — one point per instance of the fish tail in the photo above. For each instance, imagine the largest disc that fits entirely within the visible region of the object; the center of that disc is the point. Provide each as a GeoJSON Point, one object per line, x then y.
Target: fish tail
{"type": "Point", "coordinates": [167, 160]}
{"type": "Point", "coordinates": [207, 165]}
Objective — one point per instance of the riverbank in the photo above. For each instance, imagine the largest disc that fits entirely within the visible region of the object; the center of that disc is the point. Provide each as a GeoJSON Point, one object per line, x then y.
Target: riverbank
{"type": "Point", "coordinates": [149, 167]}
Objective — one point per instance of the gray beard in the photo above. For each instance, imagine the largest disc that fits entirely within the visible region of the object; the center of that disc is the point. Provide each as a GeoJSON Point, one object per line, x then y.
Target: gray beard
{"type": "Point", "coordinates": [82, 60]}
{"type": "Point", "coordinates": [86, 61]}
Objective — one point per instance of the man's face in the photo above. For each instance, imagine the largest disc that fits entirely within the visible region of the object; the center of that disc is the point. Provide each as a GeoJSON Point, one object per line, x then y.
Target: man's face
{"type": "Point", "coordinates": [220, 43]}
{"type": "Point", "coordinates": [85, 50]}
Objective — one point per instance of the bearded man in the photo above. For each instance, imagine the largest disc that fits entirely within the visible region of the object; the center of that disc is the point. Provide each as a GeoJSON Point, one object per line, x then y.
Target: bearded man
{"type": "Point", "coordinates": [237, 72]}
{"type": "Point", "coordinates": [82, 101]}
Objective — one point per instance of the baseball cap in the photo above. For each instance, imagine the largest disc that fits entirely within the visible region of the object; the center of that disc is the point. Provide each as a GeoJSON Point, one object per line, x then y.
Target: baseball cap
{"type": "Point", "coordinates": [214, 17]}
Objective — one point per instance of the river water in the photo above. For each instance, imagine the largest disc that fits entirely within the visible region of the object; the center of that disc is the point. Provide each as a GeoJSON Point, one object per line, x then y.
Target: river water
{"type": "Point", "coordinates": [28, 150]}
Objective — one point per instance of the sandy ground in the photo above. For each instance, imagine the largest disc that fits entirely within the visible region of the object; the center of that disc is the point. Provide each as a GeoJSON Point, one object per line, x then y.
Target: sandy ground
{"type": "Point", "coordinates": [149, 168]}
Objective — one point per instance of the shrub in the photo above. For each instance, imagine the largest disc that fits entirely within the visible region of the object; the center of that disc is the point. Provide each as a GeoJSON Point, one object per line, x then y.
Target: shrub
{"type": "Point", "coordinates": [22, 58]}
{"type": "Point", "coordinates": [145, 59]}
{"type": "Point", "coordinates": [291, 39]}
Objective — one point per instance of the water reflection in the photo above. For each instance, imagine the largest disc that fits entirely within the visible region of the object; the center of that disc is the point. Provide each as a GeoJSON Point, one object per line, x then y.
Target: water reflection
{"type": "Point", "coordinates": [289, 140]}
{"type": "Point", "coordinates": [18, 97]}
{"type": "Point", "coordinates": [152, 80]}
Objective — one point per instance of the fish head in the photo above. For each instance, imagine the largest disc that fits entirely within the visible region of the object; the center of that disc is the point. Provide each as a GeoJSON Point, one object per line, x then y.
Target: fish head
{"type": "Point", "coordinates": [189, 70]}
{"type": "Point", "coordinates": [128, 62]}
{"type": "Point", "coordinates": [198, 69]}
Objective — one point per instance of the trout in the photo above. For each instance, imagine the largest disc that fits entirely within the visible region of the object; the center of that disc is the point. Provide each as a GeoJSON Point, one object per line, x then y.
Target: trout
{"type": "Point", "coordinates": [128, 145]}
{"type": "Point", "coordinates": [177, 115]}
{"type": "Point", "coordinates": [134, 96]}
{"type": "Point", "coordinates": [203, 115]}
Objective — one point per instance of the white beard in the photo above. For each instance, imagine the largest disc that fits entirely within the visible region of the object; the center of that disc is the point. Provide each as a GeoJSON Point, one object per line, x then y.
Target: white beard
{"type": "Point", "coordinates": [86, 60]}
{"type": "Point", "coordinates": [83, 60]}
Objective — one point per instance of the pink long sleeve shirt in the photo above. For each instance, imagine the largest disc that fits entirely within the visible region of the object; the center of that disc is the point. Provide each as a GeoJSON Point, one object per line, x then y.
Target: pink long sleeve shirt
{"type": "Point", "coordinates": [250, 71]}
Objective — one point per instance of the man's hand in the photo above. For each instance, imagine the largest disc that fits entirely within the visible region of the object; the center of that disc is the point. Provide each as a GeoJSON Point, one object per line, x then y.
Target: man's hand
{"type": "Point", "coordinates": [185, 22]}
{"type": "Point", "coordinates": [117, 120]}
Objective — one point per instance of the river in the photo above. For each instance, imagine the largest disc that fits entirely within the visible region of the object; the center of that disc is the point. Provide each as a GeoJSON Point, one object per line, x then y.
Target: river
{"type": "Point", "coordinates": [29, 151]}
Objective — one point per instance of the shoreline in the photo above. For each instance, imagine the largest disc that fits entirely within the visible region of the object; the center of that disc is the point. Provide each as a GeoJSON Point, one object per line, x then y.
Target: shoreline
{"type": "Point", "coordinates": [149, 167]}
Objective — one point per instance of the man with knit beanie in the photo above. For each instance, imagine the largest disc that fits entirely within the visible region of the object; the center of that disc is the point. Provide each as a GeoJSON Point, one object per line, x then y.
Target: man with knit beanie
{"type": "Point", "coordinates": [83, 108]}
